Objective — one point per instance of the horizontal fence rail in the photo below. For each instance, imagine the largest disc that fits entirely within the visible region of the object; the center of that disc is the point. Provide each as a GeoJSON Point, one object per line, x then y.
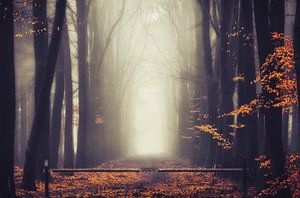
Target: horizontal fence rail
{"type": "Point", "coordinates": [137, 170]}
{"type": "Point", "coordinates": [242, 171]}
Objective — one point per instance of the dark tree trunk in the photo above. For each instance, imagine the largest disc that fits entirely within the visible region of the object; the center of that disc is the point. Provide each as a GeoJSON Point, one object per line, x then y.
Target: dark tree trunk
{"type": "Point", "coordinates": [40, 51]}
{"type": "Point", "coordinates": [211, 82]}
{"type": "Point", "coordinates": [285, 130]}
{"type": "Point", "coordinates": [246, 137]}
{"type": "Point", "coordinates": [8, 100]}
{"type": "Point", "coordinates": [273, 115]}
{"type": "Point", "coordinates": [57, 109]}
{"type": "Point", "coordinates": [40, 116]}
{"type": "Point", "coordinates": [297, 61]}
{"type": "Point", "coordinates": [201, 143]}
{"type": "Point", "coordinates": [217, 69]}
{"type": "Point", "coordinates": [68, 145]}
{"type": "Point", "coordinates": [227, 60]}
{"type": "Point", "coordinates": [82, 70]}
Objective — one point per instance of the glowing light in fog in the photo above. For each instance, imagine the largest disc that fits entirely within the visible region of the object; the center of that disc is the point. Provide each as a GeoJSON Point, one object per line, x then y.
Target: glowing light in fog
{"type": "Point", "coordinates": [149, 121]}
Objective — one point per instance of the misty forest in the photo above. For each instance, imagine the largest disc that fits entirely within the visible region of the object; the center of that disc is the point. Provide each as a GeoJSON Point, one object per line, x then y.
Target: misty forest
{"type": "Point", "coordinates": [150, 98]}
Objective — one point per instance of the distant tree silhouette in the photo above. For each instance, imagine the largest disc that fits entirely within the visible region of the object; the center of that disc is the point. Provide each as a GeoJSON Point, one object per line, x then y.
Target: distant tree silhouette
{"type": "Point", "coordinates": [7, 99]}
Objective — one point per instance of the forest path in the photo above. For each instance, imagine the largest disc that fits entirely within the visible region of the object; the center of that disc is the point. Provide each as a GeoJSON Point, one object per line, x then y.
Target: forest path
{"type": "Point", "coordinates": [143, 184]}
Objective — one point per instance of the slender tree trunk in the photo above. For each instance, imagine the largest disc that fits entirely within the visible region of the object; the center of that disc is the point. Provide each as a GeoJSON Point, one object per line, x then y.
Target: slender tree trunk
{"type": "Point", "coordinates": [228, 17]}
{"type": "Point", "coordinates": [68, 146]}
{"type": "Point", "coordinates": [95, 99]}
{"type": "Point", "coordinates": [200, 104]}
{"type": "Point", "coordinates": [82, 70]}
{"type": "Point", "coordinates": [211, 82]}
{"type": "Point", "coordinates": [216, 158]}
{"type": "Point", "coordinates": [57, 109]}
{"type": "Point", "coordinates": [246, 137]}
{"type": "Point", "coordinates": [297, 61]}
{"type": "Point", "coordinates": [40, 50]}
{"type": "Point", "coordinates": [8, 99]}
{"type": "Point", "coordinates": [40, 116]}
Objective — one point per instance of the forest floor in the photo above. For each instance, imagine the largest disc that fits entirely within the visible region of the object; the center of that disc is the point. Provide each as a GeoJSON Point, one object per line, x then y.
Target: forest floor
{"type": "Point", "coordinates": [144, 184]}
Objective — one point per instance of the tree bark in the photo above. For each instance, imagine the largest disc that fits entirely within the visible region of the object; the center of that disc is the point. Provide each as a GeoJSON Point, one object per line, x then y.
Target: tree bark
{"type": "Point", "coordinates": [40, 51]}
{"type": "Point", "coordinates": [95, 96]}
{"type": "Point", "coordinates": [8, 99]}
{"type": "Point", "coordinates": [267, 22]}
{"type": "Point", "coordinates": [82, 70]}
{"type": "Point", "coordinates": [68, 145]}
{"type": "Point", "coordinates": [57, 109]}
{"type": "Point", "coordinates": [228, 17]}
{"type": "Point", "coordinates": [285, 130]}
{"type": "Point", "coordinates": [40, 116]}
{"type": "Point", "coordinates": [246, 138]}
{"type": "Point", "coordinates": [211, 81]}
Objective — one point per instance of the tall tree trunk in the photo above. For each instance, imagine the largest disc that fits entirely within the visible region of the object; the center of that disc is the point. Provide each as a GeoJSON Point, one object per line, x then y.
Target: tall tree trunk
{"type": "Point", "coordinates": [68, 145]}
{"type": "Point", "coordinates": [40, 116]}
{"type": "Point", "coordinates": [82, 71]}
{"type": "Point", "coordinates": [8, 100]}
{"type": "Point", "coordinates": [228, 17]}
{"type": "Point", "coordinates": [95, 137]}
{"type": "Point", "coordinates": [211, 82]}
{"type": "Point", "coordinates": [246, 137]}
{"type": "Point", "coordinates": [57, 109]}
{"type": "Point", "coordinates": [40, 51]}
{"type": "Point", "coordinates": [200, 103]}
{"type": "Point", "coordinates": [267, 22]}
{"type": "Point", "coordinates": [297, 61]}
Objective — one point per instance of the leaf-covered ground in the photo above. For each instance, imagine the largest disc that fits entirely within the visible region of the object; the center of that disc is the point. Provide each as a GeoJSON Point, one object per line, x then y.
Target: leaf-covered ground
{"type": "Point", "coordinates": [145, 184]}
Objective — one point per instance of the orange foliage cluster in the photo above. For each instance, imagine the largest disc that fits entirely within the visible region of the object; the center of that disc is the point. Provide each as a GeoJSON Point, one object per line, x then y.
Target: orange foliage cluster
{"type": "Point", "coordinates": [225, 143]}
{"type": "Point", "coordinates": [239, 77]}
{"type": "Point", "coordinates": [292, 179]}
{"type": "Point", "coordinates": [134, 184]}
{"type": "Point", "coordinates": [237, 126]}
{"type": "Point", "coordinates": [278, 69]}
{"type": "Point", "coordinates": [245, 109]}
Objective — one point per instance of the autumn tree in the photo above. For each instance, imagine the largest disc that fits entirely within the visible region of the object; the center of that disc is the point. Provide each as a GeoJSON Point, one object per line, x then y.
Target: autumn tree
{"type": "Point", "coordinates": [40, 116]}
{"type": "Point", "coordinates": [269, 17]}
{"type": "Point", "coordinates": [228, 17]}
